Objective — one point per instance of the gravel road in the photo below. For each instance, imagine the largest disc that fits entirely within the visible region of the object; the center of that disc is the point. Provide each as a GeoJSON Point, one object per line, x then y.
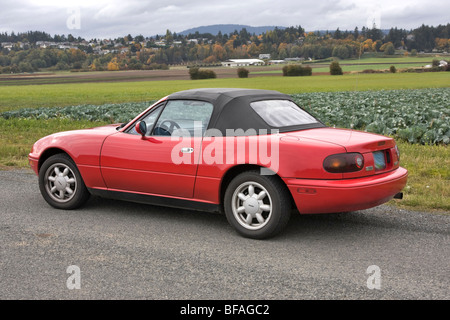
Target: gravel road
{"type": "Point", "coordinates": [132, 251]}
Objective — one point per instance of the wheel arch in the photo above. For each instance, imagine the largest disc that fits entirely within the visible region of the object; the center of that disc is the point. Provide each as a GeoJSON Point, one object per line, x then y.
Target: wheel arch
{"type": "Point", "coordinates": [235, 171]}
{"type": "Point", "coordinates": [48, 153]}
{"type": "Point", "coordinates": [78, 195]}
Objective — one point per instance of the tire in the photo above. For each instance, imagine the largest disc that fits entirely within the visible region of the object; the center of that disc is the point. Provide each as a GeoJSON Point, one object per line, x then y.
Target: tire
{"type": "Point", "coordinates": [257, 206]}
{"type": "Point", "coordinates": [61, 184]}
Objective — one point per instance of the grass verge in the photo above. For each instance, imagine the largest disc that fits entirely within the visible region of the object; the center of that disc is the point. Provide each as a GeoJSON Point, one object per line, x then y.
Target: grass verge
{"type": "Point", "coordinates": [18, 135]}
{"type": "Point", "coordinates": [428, 186]}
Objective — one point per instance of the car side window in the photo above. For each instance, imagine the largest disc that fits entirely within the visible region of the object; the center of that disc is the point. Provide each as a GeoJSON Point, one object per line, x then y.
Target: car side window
{"type": "Point", "coordinates": [183, 117]}
{"type": "Point", "coordinates": [149, 119]}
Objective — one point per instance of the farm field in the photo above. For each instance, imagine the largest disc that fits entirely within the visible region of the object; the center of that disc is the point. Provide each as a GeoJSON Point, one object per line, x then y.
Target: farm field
{"type": "Point", "coordinates": [352, 65]}
{"type": "Point", "coordinates": [181, 72]}
{"type": "Point", "coordinates": [428, 186]}
{"type": "Point", "coordinates": [363, 66]}
{"type": "Point", "coordinates": [378, 63]}
{"type": "Point", "coordinates": [423, 60]}
{"type": "Point", "coordinates": [34, 96]}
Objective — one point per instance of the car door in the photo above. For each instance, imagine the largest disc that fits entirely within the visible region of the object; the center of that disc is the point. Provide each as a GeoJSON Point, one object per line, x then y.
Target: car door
{"type": "Point", "coordinates": [165, 160]}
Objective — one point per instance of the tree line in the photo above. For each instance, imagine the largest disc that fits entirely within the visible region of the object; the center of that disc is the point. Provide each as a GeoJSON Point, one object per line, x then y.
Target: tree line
{"type": "Point", "coordinates": [128, 52]}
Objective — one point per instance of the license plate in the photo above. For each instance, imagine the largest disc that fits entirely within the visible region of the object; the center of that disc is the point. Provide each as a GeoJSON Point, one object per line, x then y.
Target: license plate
{"type": "Point", "coordinates": [379, 160]}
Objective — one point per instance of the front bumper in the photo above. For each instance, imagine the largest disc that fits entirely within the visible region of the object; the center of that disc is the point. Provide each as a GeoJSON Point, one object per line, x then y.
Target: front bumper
{"type": "Point", "coordinates": [33, 162]}
{"type": "Point", "coordinates": [327, 196]}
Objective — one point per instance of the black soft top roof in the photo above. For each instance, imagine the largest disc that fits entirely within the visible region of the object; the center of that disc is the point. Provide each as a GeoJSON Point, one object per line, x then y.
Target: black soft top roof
{"type": "Point", "coordinates": [232, 108]}
{"type": "Point", "coordinates": [215, 94]}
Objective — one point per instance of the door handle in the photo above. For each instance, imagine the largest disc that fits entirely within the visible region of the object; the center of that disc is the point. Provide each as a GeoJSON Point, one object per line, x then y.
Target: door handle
{"type": "Point", "coordinates": [187, 150]}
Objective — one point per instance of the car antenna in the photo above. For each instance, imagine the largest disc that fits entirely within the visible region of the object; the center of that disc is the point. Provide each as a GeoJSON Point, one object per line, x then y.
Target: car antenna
{"type": "Point", "coordinates": [359, 63]}
{"type": "Point", "coordinates": [356, 82]}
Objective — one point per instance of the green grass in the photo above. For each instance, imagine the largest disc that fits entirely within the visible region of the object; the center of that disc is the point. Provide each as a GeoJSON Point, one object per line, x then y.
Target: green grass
{"type": "Point", "coordinates": [393, 59]}
{"type": "Point", "coordinates": [361, 67]}
{"type": "Point", "coordinates": [375, 63]}
{"type": "Point", "coordinates": [379, 63]}
{"type": "Point", "coordinates": [319, 68]}
{"type": "Point", "coordinates": [428, 186]}
{"type": "Point", "coordinates": [18, 135]}
{"type": "Point", "coordinates": [34, 96]}
{"type": "Point", "coordinates": [269, 71]}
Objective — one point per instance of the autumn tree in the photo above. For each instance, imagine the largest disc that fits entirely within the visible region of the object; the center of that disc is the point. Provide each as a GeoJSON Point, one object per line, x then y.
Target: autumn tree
{"type": "Point", "coordinates": [389, 50]}
{"type": "Point", "coordinates": [113, 65]}
{"type": "Point", "coordinates": [219, 52]}
{"type": "Point", "coordinates": [442, 44]}
{"type": "Point", "coordinates": [341, 52]}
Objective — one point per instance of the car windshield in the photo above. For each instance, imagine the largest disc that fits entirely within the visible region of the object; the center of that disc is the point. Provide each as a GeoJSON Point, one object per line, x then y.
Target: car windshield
{"type": "Point", "coordinates": [282, 113]}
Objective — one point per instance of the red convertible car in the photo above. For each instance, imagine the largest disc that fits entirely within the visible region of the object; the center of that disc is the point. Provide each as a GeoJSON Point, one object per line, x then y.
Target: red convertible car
{"type": "Point", "coordinates": [253, 154]}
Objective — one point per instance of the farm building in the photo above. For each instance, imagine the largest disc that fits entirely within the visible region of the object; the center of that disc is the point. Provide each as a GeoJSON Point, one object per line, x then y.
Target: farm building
{"type": "Point", "coordinates": [242, 62]}
{"type": "Point", "coordinates": [277, 61]}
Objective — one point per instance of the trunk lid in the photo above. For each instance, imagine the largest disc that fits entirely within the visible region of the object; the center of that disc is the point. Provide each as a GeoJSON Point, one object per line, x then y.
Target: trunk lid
{"type": "Point", "coordinates": [351, 140]}
{"type": "Point", "coordinates": [379, 152]}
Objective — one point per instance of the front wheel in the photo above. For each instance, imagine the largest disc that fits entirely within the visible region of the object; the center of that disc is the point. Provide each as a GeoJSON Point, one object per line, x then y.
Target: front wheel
{"type": "Point", "coordinates": [257, 206]}
{"type": "Point", "coordinates": [61, 184]}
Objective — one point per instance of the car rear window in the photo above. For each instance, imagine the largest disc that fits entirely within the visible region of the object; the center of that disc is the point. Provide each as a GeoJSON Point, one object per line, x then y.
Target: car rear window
{"type": "Point", "coordinates": [282, 113]}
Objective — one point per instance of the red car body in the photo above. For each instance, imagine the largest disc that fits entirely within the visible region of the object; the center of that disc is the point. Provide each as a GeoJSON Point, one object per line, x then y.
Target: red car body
{"type": "Point", "coordinates": [114, 163]}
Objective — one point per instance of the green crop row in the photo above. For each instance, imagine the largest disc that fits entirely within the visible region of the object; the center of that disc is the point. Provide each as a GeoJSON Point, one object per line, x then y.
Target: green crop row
{"type": "Point", "coordinates": [415, 115]}
{"type": "Point", "coordinates": [112, 113]}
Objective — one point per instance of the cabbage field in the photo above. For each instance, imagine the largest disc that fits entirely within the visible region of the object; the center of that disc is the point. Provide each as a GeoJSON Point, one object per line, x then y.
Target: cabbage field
{"type": "Point", "coordinates": [113, 113]}
{"type": "Point", "coordinates": [419, 116]}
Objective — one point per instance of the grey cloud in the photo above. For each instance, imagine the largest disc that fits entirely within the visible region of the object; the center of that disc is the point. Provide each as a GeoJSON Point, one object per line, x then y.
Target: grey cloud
{"type": "Point", "coordinates": [114, 18]}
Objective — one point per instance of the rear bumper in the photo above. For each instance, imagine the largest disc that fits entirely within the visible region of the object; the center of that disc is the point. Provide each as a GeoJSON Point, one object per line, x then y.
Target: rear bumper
{"type": "Point", "coordinates": [327, 196]}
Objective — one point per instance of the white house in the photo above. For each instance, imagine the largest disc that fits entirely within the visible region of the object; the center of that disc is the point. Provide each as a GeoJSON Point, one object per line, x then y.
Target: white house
{"type": "Point", "coordinates": [242, 62]}
{"type": "Point", "coordinates": [7, 45]}
{"type": "Point", "coordinates": [264, 56]}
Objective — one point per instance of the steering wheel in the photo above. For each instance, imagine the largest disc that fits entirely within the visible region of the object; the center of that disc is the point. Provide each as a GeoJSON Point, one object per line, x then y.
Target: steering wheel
{"type": "Point", "coordinates": [167, 130]}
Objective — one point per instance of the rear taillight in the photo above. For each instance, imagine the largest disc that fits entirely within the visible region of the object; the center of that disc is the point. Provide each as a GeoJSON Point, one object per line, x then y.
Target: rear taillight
{"type": "Point", "coordinates": [344, 162]}
{"type": "Point", "coordinates": [397, 151]}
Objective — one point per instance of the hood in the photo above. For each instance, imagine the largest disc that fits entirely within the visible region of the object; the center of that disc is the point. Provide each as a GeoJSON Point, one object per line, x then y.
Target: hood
{"type": "Point", "coordinates": [83, 146]}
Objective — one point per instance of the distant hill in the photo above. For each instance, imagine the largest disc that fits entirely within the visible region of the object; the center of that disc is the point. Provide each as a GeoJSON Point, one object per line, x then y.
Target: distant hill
{"type": "Point", "coordinates": [228, 28]}
{"type": "Point", "coordinates": [322, 32]}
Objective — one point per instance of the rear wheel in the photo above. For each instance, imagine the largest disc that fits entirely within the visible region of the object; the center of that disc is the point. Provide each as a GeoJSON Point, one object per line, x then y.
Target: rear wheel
{"type": "Point", "coordinates": [61, 184]}
{"type": "Point", "coordinates": [257, 206]}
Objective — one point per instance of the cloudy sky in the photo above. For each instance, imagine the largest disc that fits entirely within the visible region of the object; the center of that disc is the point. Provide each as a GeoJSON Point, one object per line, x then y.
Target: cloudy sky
{"type": "Point", "coordinates": [114, 18]}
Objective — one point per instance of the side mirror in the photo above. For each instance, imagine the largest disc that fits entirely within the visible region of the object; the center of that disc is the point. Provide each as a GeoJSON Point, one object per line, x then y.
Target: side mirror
{"type": "Point", "coordinates": [141, 128]}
